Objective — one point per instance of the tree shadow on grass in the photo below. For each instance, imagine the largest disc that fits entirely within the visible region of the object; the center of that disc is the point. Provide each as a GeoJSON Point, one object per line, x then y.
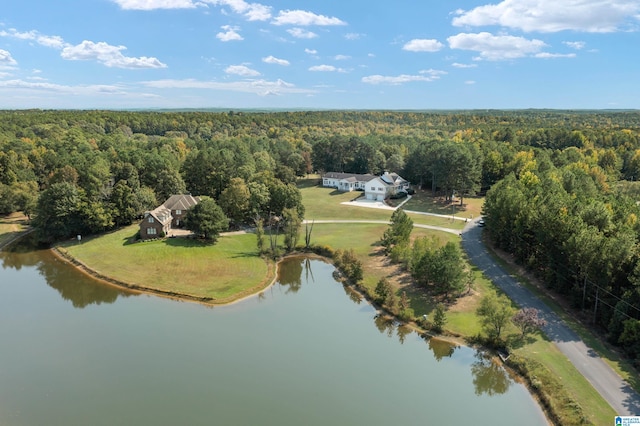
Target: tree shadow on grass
{"type": "Point", "coordinates": [130, 240]}
{"type": "Point", "coordinates": [517, 341]}
{"type": "Point", "coordinates": [187, 242]}
{"type": "Point", "coordinates": [243, 255]}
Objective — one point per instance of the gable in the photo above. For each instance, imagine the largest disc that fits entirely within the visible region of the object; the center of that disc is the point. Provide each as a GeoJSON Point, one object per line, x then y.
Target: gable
{"type": "Point", "coordinates": [180, 202]}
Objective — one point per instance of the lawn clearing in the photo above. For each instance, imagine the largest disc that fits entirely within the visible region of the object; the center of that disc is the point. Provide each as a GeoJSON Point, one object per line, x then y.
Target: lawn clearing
{"type": "Point", "coordinates": [11, 226]}
{"type": "Point", "coordinates": [424, 201]}
{"type": "Point", "coordinates": [224, 271]}
{"type": "Point", "coordinates": [325, 204]}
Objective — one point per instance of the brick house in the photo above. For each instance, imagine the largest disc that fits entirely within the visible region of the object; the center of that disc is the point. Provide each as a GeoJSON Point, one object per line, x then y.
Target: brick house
{"type": "Point", "coordinates": [158, 222]}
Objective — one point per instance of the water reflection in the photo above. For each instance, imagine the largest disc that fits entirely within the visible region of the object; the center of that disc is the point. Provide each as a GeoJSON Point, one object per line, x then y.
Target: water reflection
{"type": "Point", "coordinates": [402, 332]}
{"type": "Point", "coordinates": [488, 376]}
{"type": "Point", "coordinates": [20, 254]}
{"type": "Point", "coordinates": [384, 324]}
{"type": "Point", "coordinates": [290, 274]}
{"type": "Point", "coordinates": [353, 294]}
{"type": "Point", "coordinates": [441, 348]}
{"type": "Point", "coordinates": [77, 288]}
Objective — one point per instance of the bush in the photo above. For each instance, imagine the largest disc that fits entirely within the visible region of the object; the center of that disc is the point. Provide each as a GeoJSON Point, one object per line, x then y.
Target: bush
{"type": "Point", "coordinates": [406, 315]}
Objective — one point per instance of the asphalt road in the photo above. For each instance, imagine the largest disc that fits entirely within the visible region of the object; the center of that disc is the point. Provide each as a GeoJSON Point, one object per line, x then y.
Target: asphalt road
{"type": "Point", "coordinates": [624, 400]}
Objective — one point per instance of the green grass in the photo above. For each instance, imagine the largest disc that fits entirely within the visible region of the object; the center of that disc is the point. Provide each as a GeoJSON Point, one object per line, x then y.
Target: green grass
{"type": "Point", "coordinates": [223, 271]}
{"type": "Point", "coordinates": [558, 368]}
{"type": "Point", "coordinates": [423, 201]}
{"type": "Point", "coordinates": [325, 204]}
{"type": "Point", "coordinates": [10, 226]}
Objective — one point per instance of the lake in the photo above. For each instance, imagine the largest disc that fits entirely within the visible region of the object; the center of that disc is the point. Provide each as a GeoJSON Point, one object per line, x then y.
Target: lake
{"type": "Point", "coordinates": [307, 351]}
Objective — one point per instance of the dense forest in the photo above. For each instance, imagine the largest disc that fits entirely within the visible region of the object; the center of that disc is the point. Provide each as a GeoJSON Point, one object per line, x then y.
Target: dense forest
{"type": "Point", "coordinates": [561, 190]}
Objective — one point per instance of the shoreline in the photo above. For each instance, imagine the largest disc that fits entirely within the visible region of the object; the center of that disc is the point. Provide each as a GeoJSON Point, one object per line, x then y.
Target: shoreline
{"type": "Point", "coordinates": [270, 279]}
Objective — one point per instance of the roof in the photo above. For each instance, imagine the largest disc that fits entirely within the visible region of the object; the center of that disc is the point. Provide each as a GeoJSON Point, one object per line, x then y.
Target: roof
{"type": "Point", "coordinates": [348, 176]}
{"type": "Point", "coordinates": [161, 214]}
{"type": "Point", "coordinates": [392, 178]}
{"type": "Point", "coordinates": [180, 202]}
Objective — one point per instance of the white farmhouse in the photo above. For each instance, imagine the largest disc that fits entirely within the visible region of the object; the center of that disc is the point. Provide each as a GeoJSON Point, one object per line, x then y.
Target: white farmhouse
{"type": "Point", "coordinates": [375, 187]}
{"type": "Point", "coordinates": [346, 182]}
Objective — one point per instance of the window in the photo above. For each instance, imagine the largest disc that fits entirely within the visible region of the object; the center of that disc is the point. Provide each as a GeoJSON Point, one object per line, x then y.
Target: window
{"type": "Point", "coordinates": [373, 188]}
{"type": "Point", "coordinates": [151, 219]}
{"type": "Point", "coordinates": [379, 189]}
{"type": "Point", "coordinates": [178, 211]}
{"type": "Point", "coordinates": [152, 231]}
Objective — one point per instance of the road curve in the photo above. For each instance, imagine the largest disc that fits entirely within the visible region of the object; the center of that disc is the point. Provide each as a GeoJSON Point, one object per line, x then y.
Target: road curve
{"type": "Point", "coordinates": [617, 392]}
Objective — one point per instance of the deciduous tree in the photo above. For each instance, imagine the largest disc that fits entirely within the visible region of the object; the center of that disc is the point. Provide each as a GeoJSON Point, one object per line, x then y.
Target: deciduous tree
{"type": "Point", "coordinates": [206, 219]}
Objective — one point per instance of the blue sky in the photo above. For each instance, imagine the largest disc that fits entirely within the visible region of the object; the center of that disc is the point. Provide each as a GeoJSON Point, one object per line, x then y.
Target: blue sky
{"type": "Point", "coordinates": [356, 54]}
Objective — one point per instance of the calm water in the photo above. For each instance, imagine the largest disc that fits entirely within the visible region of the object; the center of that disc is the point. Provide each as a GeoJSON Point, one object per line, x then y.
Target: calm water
{"type": "Point", "coordinates": [305, 352]}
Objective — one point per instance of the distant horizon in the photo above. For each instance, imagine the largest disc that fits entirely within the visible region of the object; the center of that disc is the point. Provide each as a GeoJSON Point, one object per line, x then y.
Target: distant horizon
{"type": "Point", "coordinates": [349, 55]}
{"type": "Point", "coordinates": [283, 109]}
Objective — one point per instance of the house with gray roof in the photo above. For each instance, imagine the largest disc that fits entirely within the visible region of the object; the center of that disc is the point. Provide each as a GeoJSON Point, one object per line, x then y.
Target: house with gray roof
{"type": "Point", "coordinates": [158, 222]}
{"type": "Point", "coordinates": [375, 187]}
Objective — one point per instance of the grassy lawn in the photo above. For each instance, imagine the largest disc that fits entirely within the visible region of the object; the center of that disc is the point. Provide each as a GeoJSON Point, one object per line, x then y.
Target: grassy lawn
{"type": "Point", "coordinates": [10, 226]}
{"type": "Point", "coordinates": [224, 271]}
{"type": "Point", "coordinates": [423, 201]}
{"type": "Point", "coordinates": [324, 203]}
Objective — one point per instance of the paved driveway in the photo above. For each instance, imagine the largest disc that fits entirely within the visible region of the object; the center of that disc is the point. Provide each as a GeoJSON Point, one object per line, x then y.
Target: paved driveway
{"type": "Point", "coordinates": [623, 399]}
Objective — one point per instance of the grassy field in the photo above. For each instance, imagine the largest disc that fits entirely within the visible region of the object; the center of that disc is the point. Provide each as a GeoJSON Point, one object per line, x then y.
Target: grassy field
{"type": "Point", "coordinates": [324, 203]}
{"type": "Point", "coordinates": [224, 271]}
{"type": "Point", "coordinates": [10, 226]}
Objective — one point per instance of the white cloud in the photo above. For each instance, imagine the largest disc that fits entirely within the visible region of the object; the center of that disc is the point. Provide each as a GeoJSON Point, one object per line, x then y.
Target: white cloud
{"type": "Point", "coordinates": [108, 55]}
{"type": "Point", "coordinates": [241, 70]}
{"type": "Point", "coordinates": [154, 4]}
{"type": "Point", "coordinates": [353, 36]}
{"type": "Point", "coordinates": [6, 60]}
{"type": "Point", "coordinates": [341, 57]}
{"type": "Point", "coordinates": [230, 34]}
{"type": "Point", "coordinates": [29, 35]}
{"type": "Point", "coordinates": [326, 68]}
{"type": "Point", "coordinates": [547, 55]}
{"type": "Point", "coordinates": [595, 16]}
{"type": "Point", "coordinates": [425, 76]}
{"type": "Point", "coordinates": [305, 18]}
{"type": "Point", "coordinates": [276, 61]}
{"type": "Point", "coordinates": [459, 65]}
{"type": "Point", "coordinates": [251, 11]}
{"type": "Point", "coordinates": [55, 42]}
{"type": "Point", "coordinates": [423, 45]}
{"type": "Point", "coordinates": [434, 74]}
{"type": "Point", "coordinates": [496, 48]}
{"type": "Point", "coordinates": [259, 87]}
{"type": "Point", "coordinates": [102, 52]}
{"type": "Point", "coordinates": [301, 33]}
{"type": "Point", "coordinates": [311, 51]}
{"type": "Point", "coordinates": [96, 89]}
{"type": "Point", "coordinates": [577, 45]}
{"type": "Point", "coordinates": [470, 82]}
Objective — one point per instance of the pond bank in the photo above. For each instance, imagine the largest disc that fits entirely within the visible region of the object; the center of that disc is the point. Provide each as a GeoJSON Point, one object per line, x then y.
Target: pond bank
{"type": "Point", "coordinates": [270, 279]}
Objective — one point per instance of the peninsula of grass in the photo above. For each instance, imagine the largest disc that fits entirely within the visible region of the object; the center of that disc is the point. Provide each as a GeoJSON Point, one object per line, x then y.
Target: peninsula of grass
{"type": "Point", "coordinates": [217, 273]}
